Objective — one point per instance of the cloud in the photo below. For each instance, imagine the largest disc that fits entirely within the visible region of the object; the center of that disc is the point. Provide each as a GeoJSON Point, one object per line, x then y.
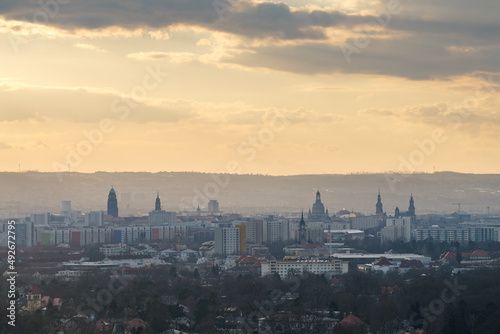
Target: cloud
{"type": "Point", "coordinates": [88, 47]}
{"type": "Point", "coordinates": [415, 41]}
{"type": "Point", "coordinates": [87, 104]}
{"type": "Point", "coordinates": [175, 57]}
{"type": "Point", "coordinates": [482, 119]}
{"type": "Point", "coordinates": [4, 146]}
{"type": "Point", "coordinates": [254, 20]}
{"type": "Point", "coordinates": [416, 59]}
{"type": "Point", "coordinates": [83, 104]}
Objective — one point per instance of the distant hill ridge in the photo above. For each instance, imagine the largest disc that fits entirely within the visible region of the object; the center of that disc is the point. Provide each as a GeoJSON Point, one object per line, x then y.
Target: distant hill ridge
{"type": "Point", "coordinates": [28, 192]}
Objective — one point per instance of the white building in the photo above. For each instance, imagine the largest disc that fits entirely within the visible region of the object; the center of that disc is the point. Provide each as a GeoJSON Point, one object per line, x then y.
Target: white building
{"type": "Point", "coordinates": [161, 217]}
{"type": "Point", "coordinates": [318, 267]}
{"type": "Point", "coordinates": [274, 230]}
{"type": "Point", "coordinates": [331, 235]}
{"type": "Point", "coordinates": [227, 241]}
{"type": "Point", "coordinates": [112, 249]}
{"type": "Point", "coordinates": [440, 234]}
{"type": "Point", "coordinates": [24, 233]}
{"type": "Point", "coordinates": [397, 229]}
{"type": "Point", "coordinates": [364, 223]}
{"type": "Point", "coordinates": [94, 218]}
{"type": "Point", "coordinates": [213, 206]}
{"type": "Point", "coordinates": [41, 219]}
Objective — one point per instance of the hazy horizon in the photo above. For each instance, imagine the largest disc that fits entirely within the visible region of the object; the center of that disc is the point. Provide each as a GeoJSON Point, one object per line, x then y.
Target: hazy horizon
{"type": "Point", "coordinates": [27, 193]}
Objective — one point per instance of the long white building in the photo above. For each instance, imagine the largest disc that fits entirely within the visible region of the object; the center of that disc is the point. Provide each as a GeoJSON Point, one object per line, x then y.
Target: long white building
{"type": "Point", "coordinates": [283, 268]}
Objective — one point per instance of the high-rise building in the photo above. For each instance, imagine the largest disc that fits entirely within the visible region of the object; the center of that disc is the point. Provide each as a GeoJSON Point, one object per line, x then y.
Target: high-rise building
{"type": "Point", "coordinates": [243, 239]}
{"type": "Point", "coordinates": [213, 206]}
{"type": "Point", "coordinates": [254, 231]}
{"type": "Point", "coordinates": [25, 233]}
{"type": "Point", "coordinates": [275, 230]}
{"type": "Point", "coordinates": [112, 203]}
{"type": "Point", "coordinates": [227, 241]}
{"type": "Point", "coordinates": [397, 229]}
{"type": "Point", "coordinates": [94, 218]}
{"type": "Point", "coordinates": [40, 219]}
{"type": "Point", "coordinates": [65, 208]}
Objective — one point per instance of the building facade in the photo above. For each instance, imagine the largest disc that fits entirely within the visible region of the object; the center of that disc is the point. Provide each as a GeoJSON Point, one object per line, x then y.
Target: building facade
{"type": "Point", "coordinates": [112, 203]}
{"type": "Point", "coordinates": [318, 267]}
{"type": "Point", "coordinates": [227, 241]}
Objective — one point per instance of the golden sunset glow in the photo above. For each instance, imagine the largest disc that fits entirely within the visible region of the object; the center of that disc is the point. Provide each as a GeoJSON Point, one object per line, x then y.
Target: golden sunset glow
{"type": "Point", "coordinates": [296, 87]}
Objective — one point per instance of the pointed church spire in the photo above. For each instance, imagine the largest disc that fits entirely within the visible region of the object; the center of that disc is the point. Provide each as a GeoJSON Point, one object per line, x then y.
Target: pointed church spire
{"type": "Point", "coordinates": [302, 221]}
{"type": "Point", "coordinates": [302, 229]}
{"type": "Point", "coordinates": [411, 208]}
{"type": "Point", "coordinates": [158, 202]}
{"type": "Point", "coordinates": [379, 208]}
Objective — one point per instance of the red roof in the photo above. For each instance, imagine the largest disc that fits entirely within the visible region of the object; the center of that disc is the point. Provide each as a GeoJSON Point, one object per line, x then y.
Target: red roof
{"type": "Point", "coordinates": [45, 301]}
{"type": "Point", "coordinates": [34, 290]}
{"type": "Point", "coordinates": [479, 253]}
{"type": "Point", "coordinates": [351, 320]}
{"type": "Point", "coordinates": [411, 264]}
{"type": "Point", "coordinates": [383, 262]}
{"type": "Point", "coordinates": [136, 323]}
{"type": "Point", "coordinates": [449, 256]}
{"type": "Point", "coordinates": [103, 325]}
{"type": "Point", "coordinates": [389, 289]}
{"type": "Point", "coordinates": [248, 259]}
{"type": "Point", "coordinates": [476, 254]}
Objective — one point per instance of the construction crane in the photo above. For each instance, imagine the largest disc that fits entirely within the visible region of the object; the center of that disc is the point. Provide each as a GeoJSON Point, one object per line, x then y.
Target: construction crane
{"type": "Point", "coordinates": [460, 204]}
{"type": "Point", "coordinates": [178, 242]}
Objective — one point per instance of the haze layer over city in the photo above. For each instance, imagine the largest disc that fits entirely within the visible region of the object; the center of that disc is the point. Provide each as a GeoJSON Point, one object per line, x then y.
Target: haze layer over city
{"type": "Point", "coordinates": [26, 193]}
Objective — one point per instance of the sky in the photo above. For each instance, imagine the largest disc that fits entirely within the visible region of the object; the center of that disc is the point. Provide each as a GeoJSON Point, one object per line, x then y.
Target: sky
{"type": "Point", "coordinates": [278, 88]}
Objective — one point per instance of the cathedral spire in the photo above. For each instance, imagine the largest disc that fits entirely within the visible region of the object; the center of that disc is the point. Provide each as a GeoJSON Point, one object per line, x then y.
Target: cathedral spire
{"type": "Point", "coordinates": [411, 208]}
{"type": "Point", "coordinates": [302, 229]}
{"type": "Point", "coordinates": [302, 221]}
{"type": "Point", "coordinates": [379, 208]}
{"type": "Point", "coordinates": [158, 202]}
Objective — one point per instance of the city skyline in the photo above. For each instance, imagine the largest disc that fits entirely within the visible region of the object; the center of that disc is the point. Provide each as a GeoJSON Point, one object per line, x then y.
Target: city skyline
{"type": "Point", "coordinates": [296, 87]}
{"type": "Point", "coordinates": [250, 166]}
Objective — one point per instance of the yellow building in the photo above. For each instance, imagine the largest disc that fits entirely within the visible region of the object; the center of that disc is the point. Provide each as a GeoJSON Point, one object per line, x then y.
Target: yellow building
{"type": "Point", "coordinates": [243, 239]}
{"type": "Point", "coordinates": [34, 297]}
